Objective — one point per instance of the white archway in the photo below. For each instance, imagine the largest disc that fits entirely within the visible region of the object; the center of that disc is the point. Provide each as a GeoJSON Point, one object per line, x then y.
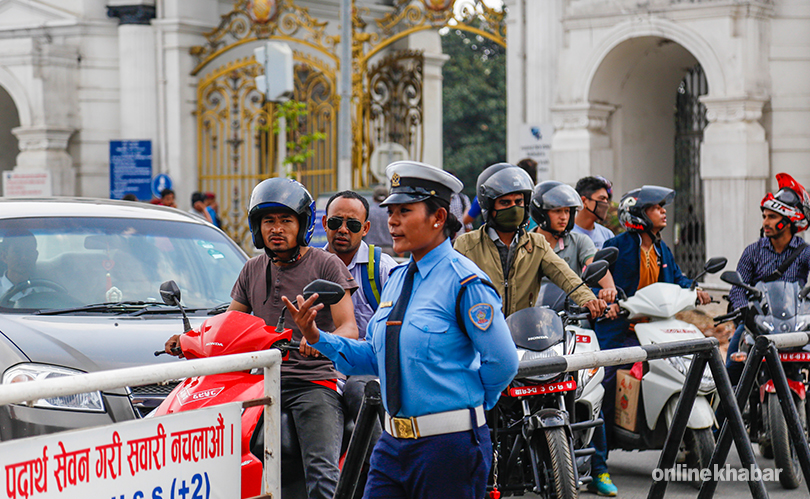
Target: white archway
{"type": "Point", "coordinates": [18, 94]}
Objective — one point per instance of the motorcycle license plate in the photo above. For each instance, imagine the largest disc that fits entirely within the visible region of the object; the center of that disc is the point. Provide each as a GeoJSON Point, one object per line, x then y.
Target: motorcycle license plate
{"type": "Point", "coordinates": [795, 357]}
{"type": "Point", "coordinates": [526, 391]}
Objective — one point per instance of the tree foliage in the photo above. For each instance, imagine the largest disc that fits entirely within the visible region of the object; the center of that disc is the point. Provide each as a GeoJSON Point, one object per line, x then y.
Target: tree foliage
{"type": "Point", "coordinates": [474, 100]}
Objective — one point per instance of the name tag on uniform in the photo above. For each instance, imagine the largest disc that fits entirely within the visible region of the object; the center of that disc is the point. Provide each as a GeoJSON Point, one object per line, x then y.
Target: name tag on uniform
{"type": "Point", "coordinates": [386, 304]}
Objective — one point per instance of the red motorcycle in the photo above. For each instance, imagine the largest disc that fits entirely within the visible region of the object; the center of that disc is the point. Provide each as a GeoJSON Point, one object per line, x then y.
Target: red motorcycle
{"type": "Point", "coordinates": [232, 333]}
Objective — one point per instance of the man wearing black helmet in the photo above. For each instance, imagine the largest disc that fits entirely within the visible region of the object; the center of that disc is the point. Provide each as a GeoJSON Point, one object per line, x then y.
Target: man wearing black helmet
{"type": "Point", "coordinates": [780, 255]}
{"type": "Point", "coordinates": [514, 259]}
{"type": "Point", "coordinates": [643, 259]}
{"type": "Point", "coordinates": [281, 219]}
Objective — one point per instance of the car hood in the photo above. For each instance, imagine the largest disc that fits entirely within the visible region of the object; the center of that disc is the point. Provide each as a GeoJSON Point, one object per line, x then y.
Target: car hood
{"type": "Point", "coordinates": [91, 343]}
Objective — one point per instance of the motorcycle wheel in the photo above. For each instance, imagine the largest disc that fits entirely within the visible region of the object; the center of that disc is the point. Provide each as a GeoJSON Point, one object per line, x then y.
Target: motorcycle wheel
{"type": "Point", "coordinates": [562, 463]}
{"type": "Point", "coordinates": [784, 454]}
{"type": "Point", "coordinates": [699, 445]}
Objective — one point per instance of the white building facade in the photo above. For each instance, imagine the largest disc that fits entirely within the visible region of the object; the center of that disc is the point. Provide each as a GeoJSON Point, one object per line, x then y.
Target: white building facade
{"type": "Point", "coordinates": [606, 73]}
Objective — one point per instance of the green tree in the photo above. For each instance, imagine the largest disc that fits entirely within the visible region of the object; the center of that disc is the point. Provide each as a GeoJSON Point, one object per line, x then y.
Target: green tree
{"type": "Point", "coordinates": [474, 100]}
{"type": "Point", "coordinates": [298, 142]}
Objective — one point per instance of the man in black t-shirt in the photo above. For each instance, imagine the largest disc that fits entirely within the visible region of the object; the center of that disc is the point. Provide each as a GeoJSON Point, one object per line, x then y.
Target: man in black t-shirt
{"type": "Point", "coordinates": [281, 218]}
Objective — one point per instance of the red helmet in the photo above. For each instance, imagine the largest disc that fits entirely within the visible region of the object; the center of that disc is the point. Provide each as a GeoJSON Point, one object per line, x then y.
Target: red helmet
{"type": "Point", "coordinates": [791, 201]}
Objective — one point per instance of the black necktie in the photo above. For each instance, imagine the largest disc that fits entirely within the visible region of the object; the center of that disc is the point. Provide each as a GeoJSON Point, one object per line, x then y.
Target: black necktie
{"type": "Point", "coordinates": [392, 390]}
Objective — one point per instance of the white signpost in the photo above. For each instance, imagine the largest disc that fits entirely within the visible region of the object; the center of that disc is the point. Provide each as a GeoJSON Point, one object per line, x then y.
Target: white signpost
{"type": "Point", "coordinates": [191, 455]}
{"type": "Point", "coordinates": [27, 184]}
{"type": "Point", "coordinates": [535, 143]}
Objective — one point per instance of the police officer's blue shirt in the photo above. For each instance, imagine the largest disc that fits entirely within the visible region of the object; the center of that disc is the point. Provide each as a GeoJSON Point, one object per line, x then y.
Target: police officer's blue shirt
{"type": "Point", "coordinates": [442, 368]}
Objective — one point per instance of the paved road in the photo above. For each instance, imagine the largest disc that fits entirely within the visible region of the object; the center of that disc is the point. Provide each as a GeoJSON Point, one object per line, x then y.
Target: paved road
{"type": "Point", "coordinates": [632, 472]}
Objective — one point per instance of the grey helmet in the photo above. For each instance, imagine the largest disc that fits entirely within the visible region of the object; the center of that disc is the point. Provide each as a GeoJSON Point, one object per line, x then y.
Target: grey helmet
{"type": "Point", "coordinates": [551, 195]}
{"type": "Point", "coordinates": [501, 179]}
{"type": "Point", "coordinates": [634, 204]}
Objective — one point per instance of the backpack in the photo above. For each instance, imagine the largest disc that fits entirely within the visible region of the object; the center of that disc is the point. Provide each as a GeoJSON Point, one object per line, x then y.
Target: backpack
{"type": "Point", "coordinates": [371, 278]}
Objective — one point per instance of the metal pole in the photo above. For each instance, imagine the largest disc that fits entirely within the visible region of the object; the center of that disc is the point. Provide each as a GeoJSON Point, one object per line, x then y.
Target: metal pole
{"type": "Point", "coordinates": [679, 421]}
{"type": "Point", "coordinates": [272, 431]}
{"type": "Point", "coordinates": [359, 443]}
{"type": "Point", "coordinates": [723, 445]}
{"type": "Point", "coordinates": [735, 420]}
{"type": "Point", "coordinates": [789, 412]}
{"type": "Point", "coordinates": [344, 166]}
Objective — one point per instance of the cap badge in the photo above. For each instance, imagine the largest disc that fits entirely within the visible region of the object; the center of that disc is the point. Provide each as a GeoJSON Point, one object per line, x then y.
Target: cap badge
{"type": "Point", "coordinates": [395, 180]}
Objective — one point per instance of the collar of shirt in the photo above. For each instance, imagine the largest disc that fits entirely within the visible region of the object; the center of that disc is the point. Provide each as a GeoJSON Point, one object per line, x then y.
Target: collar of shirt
{"type": "Point", "coordinates": [434, 256]}
{"type": "Point", "coordinates": [493, 234]}
{"type": "Point", "coordinates": [765, 243]}
{"type": "Point", "coordinates": [360, 256]}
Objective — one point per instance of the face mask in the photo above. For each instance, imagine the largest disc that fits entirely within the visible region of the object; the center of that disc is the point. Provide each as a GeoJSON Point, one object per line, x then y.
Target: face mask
{"type": "Point", "coordinates": [508, 220]}
{"type": "Point", "coordinates": [600, 210]}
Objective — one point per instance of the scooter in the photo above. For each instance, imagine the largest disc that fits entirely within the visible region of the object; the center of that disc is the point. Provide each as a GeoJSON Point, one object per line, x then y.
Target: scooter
{"type": "Point", "coordinates": [236, 332]}
{"type": "Point", "coordinates": [532, 431]}
{"type": "Point", "coordinates": [774, 307]}
{"type": "Point", "coordinates": [653, 310]}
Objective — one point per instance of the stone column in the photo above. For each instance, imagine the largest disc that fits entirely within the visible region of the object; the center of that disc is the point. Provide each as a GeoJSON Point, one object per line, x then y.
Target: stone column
{"type": "Point", "coordinates": [734, 166]}
{"type": "Point", "coordinates": [581, 145]}
{"type": "Point", "coordinates": [46, 147]}
{"type": "Point", "coordinates": [137, 69]}
{"type": "Point", "coordinates": [432, 124]}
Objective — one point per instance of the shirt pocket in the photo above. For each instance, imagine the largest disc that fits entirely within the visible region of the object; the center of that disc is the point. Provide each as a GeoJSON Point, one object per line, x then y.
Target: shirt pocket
{"type": "Point", "coordinates": [376, 326]}
{"type": "Point", "coordinates": [426, 338]}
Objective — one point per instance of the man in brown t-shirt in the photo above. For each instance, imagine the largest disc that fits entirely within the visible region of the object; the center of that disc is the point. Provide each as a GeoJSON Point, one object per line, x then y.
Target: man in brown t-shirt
{"type": "Point", "coordinates": [281, 218]}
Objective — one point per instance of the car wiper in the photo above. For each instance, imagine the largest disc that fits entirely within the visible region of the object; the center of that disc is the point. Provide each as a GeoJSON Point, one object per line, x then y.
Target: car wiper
{"type": "Point", "coordinates": [221, 308]}
{"type": "Point", "coordinates": [117, 307]}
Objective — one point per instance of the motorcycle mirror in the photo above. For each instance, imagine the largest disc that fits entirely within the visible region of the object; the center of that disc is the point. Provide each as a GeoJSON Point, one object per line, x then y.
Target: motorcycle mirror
{"type": "Point", "coordinates": [329, 293]}
{"type": "Point", "coordinates": [609, 254]}
{"type": "Point", "coordinates": [733, 278]}
{"type": "Point", "coordinates": [170, 293]}
{"type": "Point", "coordinates": [595, 272]}
{"type": "Point", "coordinates": [715, 265]}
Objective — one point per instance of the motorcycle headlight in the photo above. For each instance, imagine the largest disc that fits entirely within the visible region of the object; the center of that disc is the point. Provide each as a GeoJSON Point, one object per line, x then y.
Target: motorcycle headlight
{"type": "Point", "coordinates": [682, 364]}
{"type": "Point", "coordinates": [553, 351]}
{"type": "Point", "coordinates": [90, 402]}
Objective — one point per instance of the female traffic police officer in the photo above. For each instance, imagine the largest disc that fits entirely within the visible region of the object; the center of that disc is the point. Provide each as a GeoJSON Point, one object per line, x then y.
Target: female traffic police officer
{"type": "Point", "coordinates": [441, 363]}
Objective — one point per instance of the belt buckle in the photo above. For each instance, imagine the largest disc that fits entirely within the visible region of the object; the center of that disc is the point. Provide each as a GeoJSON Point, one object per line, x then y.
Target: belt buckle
{"type": "Point", "coordinates": [403, 427]}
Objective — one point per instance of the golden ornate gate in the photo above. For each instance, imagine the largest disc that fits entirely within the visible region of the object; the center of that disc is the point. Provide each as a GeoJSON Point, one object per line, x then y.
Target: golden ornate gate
{"type": "Point", "coordinates": [236, 146]}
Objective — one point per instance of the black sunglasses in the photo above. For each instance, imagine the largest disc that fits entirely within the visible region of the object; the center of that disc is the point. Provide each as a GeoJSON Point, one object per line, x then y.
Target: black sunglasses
{"type": "Point", "coordinates": [336, 223]}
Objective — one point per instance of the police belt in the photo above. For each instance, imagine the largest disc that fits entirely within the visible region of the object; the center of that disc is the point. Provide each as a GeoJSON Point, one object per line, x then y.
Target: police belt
{"type": "Point", "coordinates": [434, 424]}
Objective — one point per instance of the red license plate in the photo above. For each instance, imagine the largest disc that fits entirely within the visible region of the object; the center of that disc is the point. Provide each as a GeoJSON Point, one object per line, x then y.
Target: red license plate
{"type": "Point", "coordinates": [527, 391]}
{"type": "Point", "coordinates": [795, 357]}
{"type": "Point", "coordinates": [582, 338]}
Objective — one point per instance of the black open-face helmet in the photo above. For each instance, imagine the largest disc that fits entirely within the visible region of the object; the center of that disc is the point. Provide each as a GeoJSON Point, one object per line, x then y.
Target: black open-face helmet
{"type": "Point", "coordinates": [633, 206]}
{"type": "Point", "coordinates": [279, 194]}
{"type": "Point", "coordinates": [501, 179]}
{"type": "Point", "coordinates": [551, 195]}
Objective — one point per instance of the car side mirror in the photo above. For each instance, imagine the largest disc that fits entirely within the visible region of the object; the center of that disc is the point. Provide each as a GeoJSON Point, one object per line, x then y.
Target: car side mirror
{"type": "Point", "coordinates": [595, 272]}
{"type": "Point", "coordinates": [329, 293]}
{"type": "Point", "coordinates": [170, 293]}
{"type": "Point", "coordinates": [609, 254]}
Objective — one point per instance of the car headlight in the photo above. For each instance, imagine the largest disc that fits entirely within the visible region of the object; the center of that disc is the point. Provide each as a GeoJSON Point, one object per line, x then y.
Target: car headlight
{"type": "Point", "coordinates": [682, 364]}
{"type": "Point", "coordinates": [90, 402]}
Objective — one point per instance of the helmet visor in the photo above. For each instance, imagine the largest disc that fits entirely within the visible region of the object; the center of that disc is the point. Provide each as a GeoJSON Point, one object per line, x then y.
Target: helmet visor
{"type": "Point", "coordinates": [651, 195]}
{"type": "Point", "coordinates": [560, 196]}
{"type": "Point", "coordinates": [507, 181]}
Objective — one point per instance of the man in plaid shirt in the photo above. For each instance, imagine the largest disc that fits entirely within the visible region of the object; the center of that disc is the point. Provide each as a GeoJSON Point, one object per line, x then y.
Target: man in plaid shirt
{"type": "Point", "coordinates": [784, 214]}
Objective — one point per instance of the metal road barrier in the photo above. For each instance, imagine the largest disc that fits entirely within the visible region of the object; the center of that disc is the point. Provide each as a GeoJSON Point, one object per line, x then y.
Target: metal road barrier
{"type": "Point", "coordinates": [270, 360]}
{"type": "Point", "coordinates": [705, 351]}
{"type": "Point", "coordinates": [766, 347]}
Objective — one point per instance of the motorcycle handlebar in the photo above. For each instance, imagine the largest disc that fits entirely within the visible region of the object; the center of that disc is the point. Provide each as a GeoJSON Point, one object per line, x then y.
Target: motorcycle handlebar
{"type": "Point", "coordinates": [727, 317]}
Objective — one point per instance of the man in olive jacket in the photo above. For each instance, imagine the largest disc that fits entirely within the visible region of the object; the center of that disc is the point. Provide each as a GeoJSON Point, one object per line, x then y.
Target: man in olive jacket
{"type": "Point", "coordinates": [516, 260]}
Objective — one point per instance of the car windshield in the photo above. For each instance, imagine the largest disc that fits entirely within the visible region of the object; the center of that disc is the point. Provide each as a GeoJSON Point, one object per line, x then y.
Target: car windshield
{"type": "Point", "coordinates": [64, 262]}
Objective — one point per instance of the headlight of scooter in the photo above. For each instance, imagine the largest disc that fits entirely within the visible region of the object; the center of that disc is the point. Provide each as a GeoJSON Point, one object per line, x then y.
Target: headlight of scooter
{"type": "Point", "coordinates": [89, 402]}
{"type": "Point", "coordinates": [682, 364]}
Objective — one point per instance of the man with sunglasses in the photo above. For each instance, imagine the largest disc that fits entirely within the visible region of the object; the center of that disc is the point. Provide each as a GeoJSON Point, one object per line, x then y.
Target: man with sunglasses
{"type": "Point", "coordinates": [346, 223]}
{"type": "Point", "coordinates": [596, 193]}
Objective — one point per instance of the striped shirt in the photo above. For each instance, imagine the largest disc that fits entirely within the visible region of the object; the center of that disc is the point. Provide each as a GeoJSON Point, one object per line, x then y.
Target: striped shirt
{"type": "Point", "coordinates": [761, 259]}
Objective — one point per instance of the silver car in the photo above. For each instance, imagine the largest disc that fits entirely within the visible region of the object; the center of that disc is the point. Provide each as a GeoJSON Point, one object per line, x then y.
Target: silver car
{"type": "Point", "coordinates": [79, 292]}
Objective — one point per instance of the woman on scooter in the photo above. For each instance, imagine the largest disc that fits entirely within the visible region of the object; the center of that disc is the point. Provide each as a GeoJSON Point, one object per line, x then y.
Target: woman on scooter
{"type": "Point", "coordinates": [437, 318]}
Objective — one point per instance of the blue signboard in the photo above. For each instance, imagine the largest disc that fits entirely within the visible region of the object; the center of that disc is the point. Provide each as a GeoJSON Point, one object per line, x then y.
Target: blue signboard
{"type": "Point", "coordinates": [160, 182]}
{"type": "Point", "coordinates": [319, 234]}
{"type": "Point", "coordinates": [131, 169]}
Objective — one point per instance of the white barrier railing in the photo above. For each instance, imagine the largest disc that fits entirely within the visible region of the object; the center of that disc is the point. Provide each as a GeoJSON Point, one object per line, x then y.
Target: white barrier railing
{"type": "Point", "coordinates": [270, 360]}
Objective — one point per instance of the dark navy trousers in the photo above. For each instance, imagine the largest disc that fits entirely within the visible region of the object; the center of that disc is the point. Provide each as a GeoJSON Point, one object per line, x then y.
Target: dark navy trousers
{"type": "Point", "coordinates": [453, 465]}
